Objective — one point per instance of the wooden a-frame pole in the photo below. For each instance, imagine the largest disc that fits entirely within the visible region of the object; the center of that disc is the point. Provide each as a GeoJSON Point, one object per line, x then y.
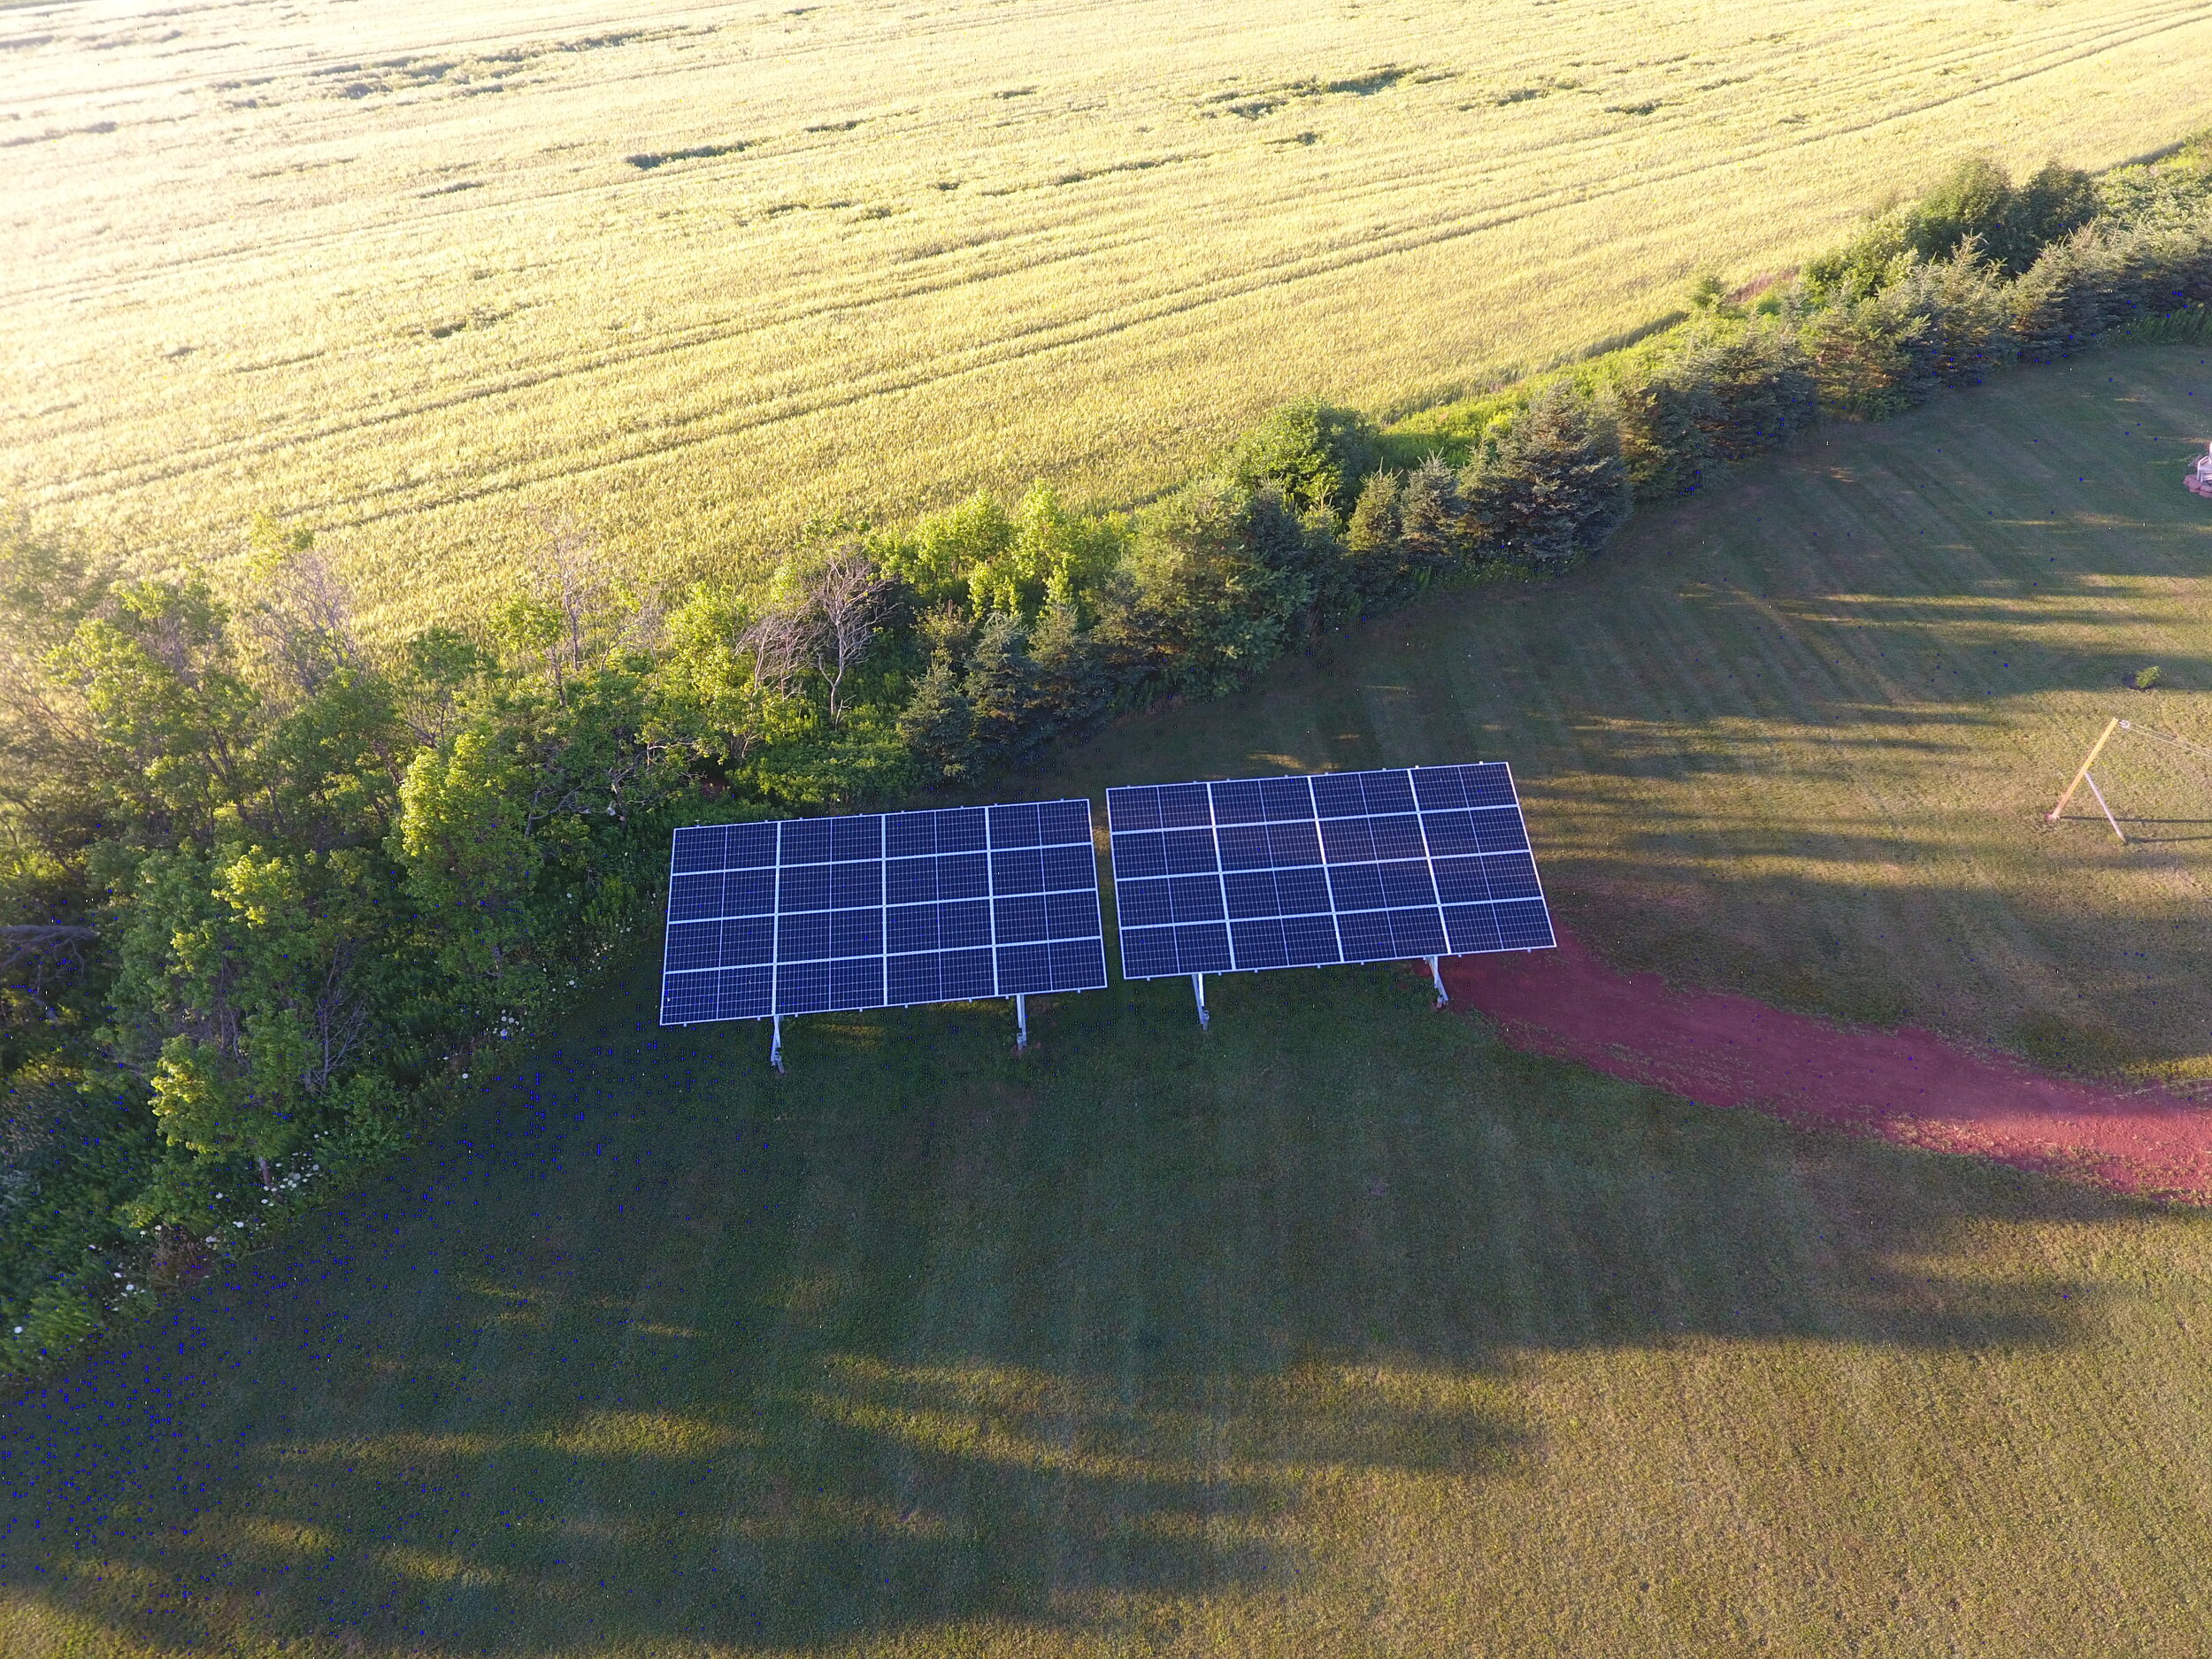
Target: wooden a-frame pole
{"type": "Point", "coordinates": [2095, 749]}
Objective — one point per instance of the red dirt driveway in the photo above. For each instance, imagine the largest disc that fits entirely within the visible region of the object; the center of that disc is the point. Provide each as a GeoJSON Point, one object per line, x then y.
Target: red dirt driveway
{"type": "Point", "coordinates": [1910, 1087]}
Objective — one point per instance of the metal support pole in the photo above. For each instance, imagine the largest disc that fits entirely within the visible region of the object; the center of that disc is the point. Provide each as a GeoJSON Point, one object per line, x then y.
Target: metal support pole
{"type": "Point", "coordinates": [2109, 818]}
{"type": "Point", "coordinates": [1021, 1022]}
{"type": "Point", "coordinates": [1198, 985]}
{"type": "Point", "coordinates": [775, 1045]}
{"type": "Point", "coordinates": [2095, 749]}
{"type": "Point", "coordinates": [1437, 973]}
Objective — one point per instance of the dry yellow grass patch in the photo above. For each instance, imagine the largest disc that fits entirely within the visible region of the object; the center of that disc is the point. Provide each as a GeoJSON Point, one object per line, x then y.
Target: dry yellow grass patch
{"type": "Point", "coordinates": [399, 269]}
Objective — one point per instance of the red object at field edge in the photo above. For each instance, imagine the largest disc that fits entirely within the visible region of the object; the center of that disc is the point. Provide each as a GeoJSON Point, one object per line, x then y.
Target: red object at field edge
{"type": "Point", "coordinates": [1909, 1086]}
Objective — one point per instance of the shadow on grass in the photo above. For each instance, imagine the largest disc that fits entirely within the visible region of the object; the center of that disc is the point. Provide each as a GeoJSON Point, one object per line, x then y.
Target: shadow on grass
{"type": "Point", "coordinates": [656, 1349]}
{"type": "Point", "coordinates": [2151, 831]}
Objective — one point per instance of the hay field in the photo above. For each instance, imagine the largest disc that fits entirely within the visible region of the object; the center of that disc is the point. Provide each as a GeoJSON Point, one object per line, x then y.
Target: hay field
{"type": "Point", "coordinates": [420, 274]}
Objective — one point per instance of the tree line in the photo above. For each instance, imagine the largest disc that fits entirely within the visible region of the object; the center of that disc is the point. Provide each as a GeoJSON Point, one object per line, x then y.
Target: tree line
{"type": "Point", "coordinates": [267, 888]}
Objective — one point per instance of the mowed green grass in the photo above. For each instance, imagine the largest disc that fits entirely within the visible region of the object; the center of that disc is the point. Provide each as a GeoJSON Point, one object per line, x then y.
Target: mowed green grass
{"type": "Point", "coordinates": [1796, 736]}
{"type": "Point", "coordinates": [1339, 1330]}
{"type": "Point", "coordinates": [1342, 1329]}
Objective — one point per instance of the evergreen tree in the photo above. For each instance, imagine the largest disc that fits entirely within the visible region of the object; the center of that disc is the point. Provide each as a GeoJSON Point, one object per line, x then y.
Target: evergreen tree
{"type": "Point", "coordinates": [1873, 357]}
{"type": "Point", "coordinates": [1763, 386]}
{"type": "Point", "coordinates": [1431, 521]}
{"type": "Point", "coordinates": [1002, 692]}
{"type": "Point", "coordinates": [1074, 690]}
{"type": "Point", "coordinates": [2059, 306]}
{"type": "Point", "coordinates": [1557, 487]}
{"type": "Point", "coordinates": [1666, 407]}
{"type": "Point", "coordinates": [938, 724]}
{"type": "Point", "coordinates": [1970, 329]}
{"type": "Point", "coordinates": [1374, 526]}
{"type": "Point", "coordinates": [1376, 557]}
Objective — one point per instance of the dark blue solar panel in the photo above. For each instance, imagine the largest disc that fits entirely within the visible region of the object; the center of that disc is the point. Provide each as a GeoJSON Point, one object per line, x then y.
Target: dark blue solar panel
{"type": "Point", "coordinates": [809, 916]}
{"type": "Point", "coordinates": [1278, 872]}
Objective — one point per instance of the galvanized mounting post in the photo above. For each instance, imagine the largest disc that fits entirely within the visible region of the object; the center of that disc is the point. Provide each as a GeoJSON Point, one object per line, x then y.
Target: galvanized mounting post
{"type": "Point", "coordinates": [775, 1045]}
{"type": "Point", "coordinates": [2109, 818]}
{"type": "Point", "coordinates": [1021, 1022]}
{"type": "Point", "coordinates": [1437, 973]}
{"type": "Point", "coordinates": [1198, 986]}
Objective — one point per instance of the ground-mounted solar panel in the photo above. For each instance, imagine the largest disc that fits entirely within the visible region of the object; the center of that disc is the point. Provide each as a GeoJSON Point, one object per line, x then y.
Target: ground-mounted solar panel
{"type": "Point", "coordinates": [815, 916]}
{"type": "Point", "coordinates": [1303, 871]}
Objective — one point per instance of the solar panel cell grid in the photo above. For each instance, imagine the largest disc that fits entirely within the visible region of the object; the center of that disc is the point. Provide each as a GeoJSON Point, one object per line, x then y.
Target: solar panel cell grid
{"type": "Point", "coordinates": [1266, 872]}
{"type": "Point", "coordinates": [811, 915]}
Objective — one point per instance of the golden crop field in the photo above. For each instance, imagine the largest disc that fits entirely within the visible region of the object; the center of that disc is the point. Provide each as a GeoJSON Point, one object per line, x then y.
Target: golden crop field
{"type": "Point", "coordinates": [423, 274]}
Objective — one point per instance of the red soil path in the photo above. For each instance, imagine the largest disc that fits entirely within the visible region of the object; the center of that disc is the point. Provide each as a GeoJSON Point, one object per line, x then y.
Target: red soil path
{"type": "Point", "coordinates": [1910, 1087]}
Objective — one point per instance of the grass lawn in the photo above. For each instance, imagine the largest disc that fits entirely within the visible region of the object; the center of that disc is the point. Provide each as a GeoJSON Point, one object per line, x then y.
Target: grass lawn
{"type": "Point", "coordinates": [1796, 737]}
{"type": "Point", "coordinates": [1341, 1330]}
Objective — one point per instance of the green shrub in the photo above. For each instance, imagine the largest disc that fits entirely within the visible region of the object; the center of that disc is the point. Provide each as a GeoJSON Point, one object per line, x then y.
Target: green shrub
{"type": "Point", "coordinates": [2175, 187]}
{"type": "Point", "coordinates": [1316, 453]}
{"type": "Point", "coordinates": [51, 1331]}
{"type": "Point", "coordinates": [1974, 206]}
{"type": "Point", "coordinates": [1212, 588]}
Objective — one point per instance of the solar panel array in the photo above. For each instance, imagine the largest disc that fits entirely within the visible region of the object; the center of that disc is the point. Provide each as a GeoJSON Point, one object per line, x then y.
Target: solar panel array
{"type": "Point", "coordinates": [811, 916]}
{"type": "Point", "coordinates": [1294, 871]}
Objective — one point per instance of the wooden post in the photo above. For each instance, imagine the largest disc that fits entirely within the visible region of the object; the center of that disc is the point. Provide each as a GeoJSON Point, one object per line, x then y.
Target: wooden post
{"type": "Point", "coordinates": [2095, 749]}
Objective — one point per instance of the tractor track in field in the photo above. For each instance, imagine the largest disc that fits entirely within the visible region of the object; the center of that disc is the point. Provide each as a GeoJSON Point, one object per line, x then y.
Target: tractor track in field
{"type": "Point", "coordinates": [1910, 1087]}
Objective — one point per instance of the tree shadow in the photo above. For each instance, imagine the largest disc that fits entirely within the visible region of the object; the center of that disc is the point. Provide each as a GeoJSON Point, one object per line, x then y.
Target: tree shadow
{"type": "Point", "coordinates": [654, 1348]}
{"type": "Point", "coordinates": [2159, 827]}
